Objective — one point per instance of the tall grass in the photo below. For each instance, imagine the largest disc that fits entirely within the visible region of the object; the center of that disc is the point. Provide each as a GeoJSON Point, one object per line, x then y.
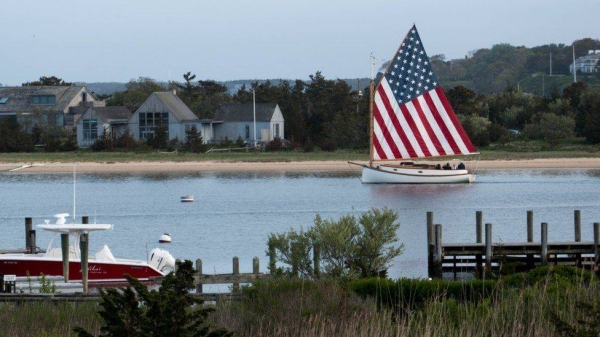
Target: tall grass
{"type": "Point", "coordinates": [295, 308]}
{"type": "Point", "coordinates": [47, 318]}
{"type": "Point", "coordinates": [535, 304]}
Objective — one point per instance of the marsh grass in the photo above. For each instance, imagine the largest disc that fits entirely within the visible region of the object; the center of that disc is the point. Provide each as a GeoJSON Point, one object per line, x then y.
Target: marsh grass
{"type": "Point", "coordinates": [47, 318]}
{"type": "Point", "coordinates": [533, 304]}
{"type": "Point", "coordinates": [329, 309]}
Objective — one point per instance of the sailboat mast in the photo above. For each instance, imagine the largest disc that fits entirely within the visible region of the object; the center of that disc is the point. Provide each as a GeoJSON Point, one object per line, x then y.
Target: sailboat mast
{"type": "Point", "coordinates": [371, 94]}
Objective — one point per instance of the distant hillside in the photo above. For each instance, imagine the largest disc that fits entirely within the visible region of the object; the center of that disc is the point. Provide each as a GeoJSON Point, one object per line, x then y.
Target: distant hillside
{"type": "Point", "coordinates": [485, 71]}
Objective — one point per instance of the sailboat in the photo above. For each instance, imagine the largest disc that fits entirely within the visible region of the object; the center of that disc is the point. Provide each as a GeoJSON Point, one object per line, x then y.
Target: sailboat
{"type": "Point", "coordinates": [412, 119]}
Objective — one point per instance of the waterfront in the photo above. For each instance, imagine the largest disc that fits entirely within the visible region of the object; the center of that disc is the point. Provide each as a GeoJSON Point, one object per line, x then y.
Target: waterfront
{"type": "Point", "coordinates": [234, 212]}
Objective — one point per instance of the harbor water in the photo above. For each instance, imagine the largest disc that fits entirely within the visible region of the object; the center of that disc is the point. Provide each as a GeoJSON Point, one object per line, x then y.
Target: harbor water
{"type": "Point", "coordinates": [234, 213]}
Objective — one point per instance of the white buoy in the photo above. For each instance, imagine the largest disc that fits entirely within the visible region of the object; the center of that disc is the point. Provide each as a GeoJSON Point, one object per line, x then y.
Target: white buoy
{"type": "Point", "coordinates": [165, 238]}
{"type": "Point", "coordinates": [187, 198]}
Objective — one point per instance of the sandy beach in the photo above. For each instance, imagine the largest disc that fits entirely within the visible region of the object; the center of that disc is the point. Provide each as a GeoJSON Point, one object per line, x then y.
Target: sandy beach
{"type": "Point", "coordinates": [89, 167]}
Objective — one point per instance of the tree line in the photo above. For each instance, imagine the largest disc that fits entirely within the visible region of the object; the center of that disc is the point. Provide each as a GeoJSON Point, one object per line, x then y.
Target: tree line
{"type": "Point", "coordinates": [328, 114]}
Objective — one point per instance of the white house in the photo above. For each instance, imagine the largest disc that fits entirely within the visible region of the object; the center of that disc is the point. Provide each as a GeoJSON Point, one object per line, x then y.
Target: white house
{"type": "Point", "coordinates": [165, 108]}
{"type": "Point", "coordinates": [96, 120]}
{"type": "Point", "coordinates": [587, 63]}
{"type": "Point", "coordinates": [232, 121]}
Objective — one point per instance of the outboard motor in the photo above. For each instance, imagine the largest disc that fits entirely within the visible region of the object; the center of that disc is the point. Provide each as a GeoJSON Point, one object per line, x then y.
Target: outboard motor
{"type": "Point", "coordinates": [162, 260]}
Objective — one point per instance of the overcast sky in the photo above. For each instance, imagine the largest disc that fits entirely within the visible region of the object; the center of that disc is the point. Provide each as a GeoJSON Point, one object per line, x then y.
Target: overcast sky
{"type": "Point", "coordinates": [120, 40]}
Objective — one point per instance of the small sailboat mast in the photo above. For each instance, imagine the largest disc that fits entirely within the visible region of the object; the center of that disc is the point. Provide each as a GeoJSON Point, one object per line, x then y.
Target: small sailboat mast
{"type": "Point", "coordinates": [371, 93]}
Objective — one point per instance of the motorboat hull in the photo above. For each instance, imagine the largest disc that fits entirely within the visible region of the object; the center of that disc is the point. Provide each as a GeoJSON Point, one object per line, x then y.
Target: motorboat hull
{"type": "Point", "coordinates": [397, 175]}
{"type": "Point", "coordinates": [34, 266]}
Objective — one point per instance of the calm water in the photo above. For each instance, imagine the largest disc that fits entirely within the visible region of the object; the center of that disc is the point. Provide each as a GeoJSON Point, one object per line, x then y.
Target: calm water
{"type": "Point", "coordinates": [234, 213]}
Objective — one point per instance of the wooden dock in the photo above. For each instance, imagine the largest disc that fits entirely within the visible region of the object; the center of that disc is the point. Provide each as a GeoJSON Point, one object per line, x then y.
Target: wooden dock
{"type": "Point", "coordinates": [464, 260]}
{"type": "Point", "coordinates": [468, 260]}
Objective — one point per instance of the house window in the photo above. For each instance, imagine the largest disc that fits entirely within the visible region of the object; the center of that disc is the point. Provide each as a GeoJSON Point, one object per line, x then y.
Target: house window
{"type": "Point", "coordinates": [276, 126]}
{"type": "Point", "coordinates": [43, 99]}
{"type": "Point", "coordinates": [247, 131]}
{"type": "Point", "coordinates": [84, 96]}
{"type": "Point", "coordinates": [150, 121]}
{"type": "Point", "coordinates": [90, 129]}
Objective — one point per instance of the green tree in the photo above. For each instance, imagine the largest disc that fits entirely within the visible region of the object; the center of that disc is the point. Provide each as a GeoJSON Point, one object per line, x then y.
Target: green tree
{"type": "Point", "coordinates": [49, 81]}
{"type": "Point", "coordinates": [590, 108]}
{"type": "Point", "coordinates": [171, 311]}
{"type": "Point", "coordinates": [13, 137]}
{"type": "Point", "coordinates": [137, 91]}
{"type": "Point", "coordinates": [194, 142]}
{"type": "Point", "coordinates": [351, 247]}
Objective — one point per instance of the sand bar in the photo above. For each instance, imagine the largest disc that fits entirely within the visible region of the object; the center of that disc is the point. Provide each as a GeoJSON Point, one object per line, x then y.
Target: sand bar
{"type": "Point", "coordinates": [219, 166]}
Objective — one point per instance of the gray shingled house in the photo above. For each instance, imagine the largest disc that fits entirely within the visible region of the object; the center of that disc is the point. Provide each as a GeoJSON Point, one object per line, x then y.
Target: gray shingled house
{"type": "Point", "coordinates": [46, 105]}
{"type": "Point", "coordinates": [237, 120]}
{"type": "Point", "coordinates": [167, 109]}
{"type": "Point", "coordinates": [96, 120]}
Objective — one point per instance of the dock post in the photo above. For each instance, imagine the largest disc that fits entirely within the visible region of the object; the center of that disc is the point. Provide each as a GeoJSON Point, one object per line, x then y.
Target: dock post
{"type": "Point", "coordinates": [199, 272]}
{"type": "Point", "coordinates": [479, 239]}
{"type": "Point", "coordinates": [544, 253]}
{"type": "Point", "coordinates": [577, 223]}
{"type": "Point", "coordinates": [85, 220]}
{"type": "Point", "coordinates": [236, 271]}
{"type": "Point", "coordinates": [255, 265]}
{"type": "Point", "coordinates": [438, 252]}
{"type": "Point", "coordinates": [317, 259]}
{"type": "Point", "coordinates": [32, 242]}
{"type": "Point", "coordinates": [64, 244]}
{"type": "Point", "coordinates": [430, 243]}
{"type": "Point", "coordinates": [28, 229]}
{"type": "Point", "coordinates": [83, 246]}
{"type": "Point", "coordinates": [530, 260]}
{"type": "Point", "coordinates": [488, 246]}
{"type": "Point", "coordinates": [596, 241]}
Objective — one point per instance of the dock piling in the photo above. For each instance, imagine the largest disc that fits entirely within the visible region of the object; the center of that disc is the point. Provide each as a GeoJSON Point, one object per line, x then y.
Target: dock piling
{"type": "Point", "coordinates": [83, 246]}
{"type": "Point", "coordinates": [544, 252]}
{"type": "Point", "coordinates": [438, 258]}
{"type": "Point", "coordinates": [64, 244]}
{"type": "Point", "coordinates": [199, 272]}
{"type": "Point", "coordinates": [28, 229]}
{"type": "Point", "coordinates": [488, 246]}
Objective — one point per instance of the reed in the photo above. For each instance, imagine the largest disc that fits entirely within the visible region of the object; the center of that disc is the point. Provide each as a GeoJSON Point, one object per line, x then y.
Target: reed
{"type": "Point", "coordinates": [47, 318]}
{"type": "Point", "coordinates": [536, 304]}
{"type": "Point", "coordinates": [328, 309]}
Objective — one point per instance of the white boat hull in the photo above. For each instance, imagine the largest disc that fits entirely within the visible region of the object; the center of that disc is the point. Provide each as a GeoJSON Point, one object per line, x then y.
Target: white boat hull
{"type": "Point", "coordinates": [396, 175]}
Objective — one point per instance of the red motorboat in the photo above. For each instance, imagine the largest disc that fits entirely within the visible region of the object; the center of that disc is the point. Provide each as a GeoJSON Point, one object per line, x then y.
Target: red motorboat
{"type": "Point", "coordinates": [103, 267]}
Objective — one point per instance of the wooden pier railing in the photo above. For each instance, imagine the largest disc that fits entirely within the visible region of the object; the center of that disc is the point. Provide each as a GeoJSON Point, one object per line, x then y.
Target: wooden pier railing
{"type": "Point", "coordinates": [485, 255]}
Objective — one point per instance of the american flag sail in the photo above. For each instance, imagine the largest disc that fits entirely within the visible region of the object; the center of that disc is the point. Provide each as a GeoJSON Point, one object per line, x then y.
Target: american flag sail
{"type": "Point", "coordinates": [412, 117]}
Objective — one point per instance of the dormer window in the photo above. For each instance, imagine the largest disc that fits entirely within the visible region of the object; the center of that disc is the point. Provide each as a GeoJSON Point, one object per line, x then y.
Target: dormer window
{"type": "Point", "coordinates": [43, 99]}
{"type": "Point", "coordinates": [3, 100]}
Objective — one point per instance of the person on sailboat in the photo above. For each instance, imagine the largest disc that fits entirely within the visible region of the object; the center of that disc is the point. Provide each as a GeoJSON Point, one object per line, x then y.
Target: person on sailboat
{"type": "Point", "coordinates": [447, 166]}
{"type": "Point", "coordinates": [460, 166]}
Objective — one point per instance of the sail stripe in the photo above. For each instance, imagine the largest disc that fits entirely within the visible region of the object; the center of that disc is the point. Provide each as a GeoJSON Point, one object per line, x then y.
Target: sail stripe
{"type": "Point", "coordinates": [447, 142]}
{"type": "Point", "coordinates": [432, 142]}
{"type": "Point", "coordinates": [400, 143]}
{"type": "Point", "coordinates": [401, 124]}
{"type": "Point", "coordinates": [388, 147]}
{"type": "Point", "coordinates": [442, 107]}
{"type": "Point", "coordinates": [419, 129]}
{"type": "Point", "coordinates": [463, 139]}
{"type": "Point", "coordinates": [441, 144]}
